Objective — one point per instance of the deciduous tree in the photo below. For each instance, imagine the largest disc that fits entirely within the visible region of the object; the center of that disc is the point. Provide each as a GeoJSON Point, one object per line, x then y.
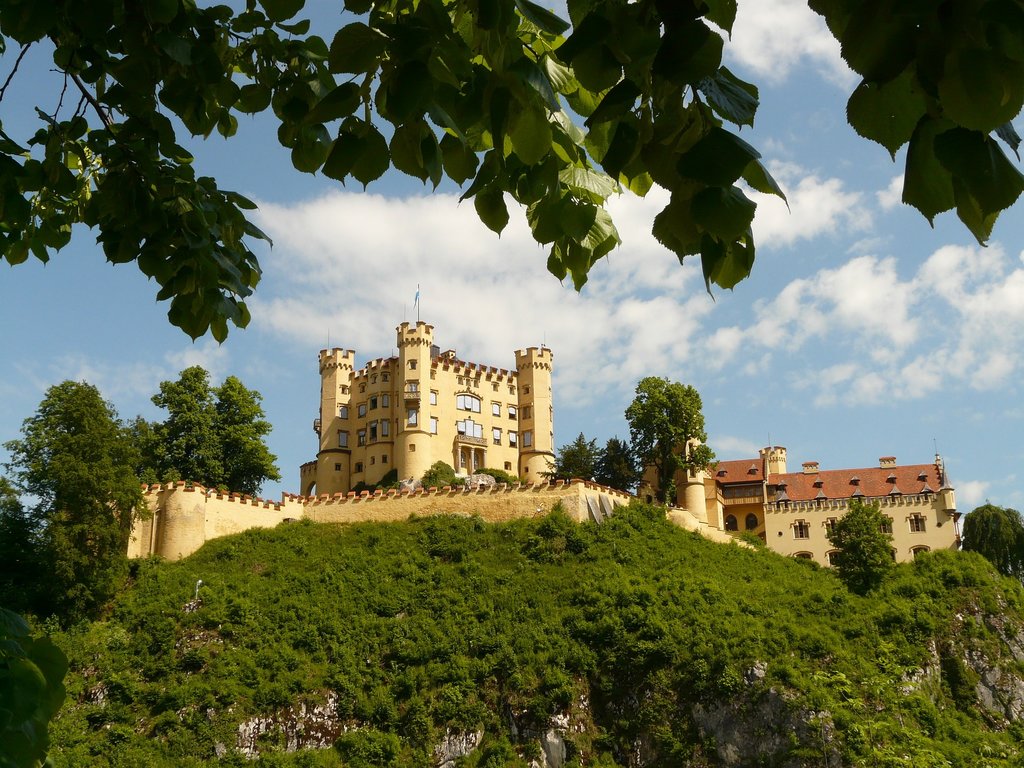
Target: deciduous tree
{"type": "Point", "coordinates": [486, 93]}
{"type": "Point", "coordinates": [998, 534]}
{"type": "Point", "coordinates": [577, 459]}
{"type": "Point", "coordinates": [75, 460]}
{"type": "Point", "coordinates": [863, 550]}
{"type": "Point", "coordinates": [241, 428]}
{"type": "Point", "coordinates": [666, 427]}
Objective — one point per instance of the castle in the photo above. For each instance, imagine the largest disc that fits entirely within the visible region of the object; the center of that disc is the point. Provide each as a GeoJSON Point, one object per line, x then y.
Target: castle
{"type": "Point", "coordinates": [792, 512]}
{"type": "Point", "coordinates": [407, 412]}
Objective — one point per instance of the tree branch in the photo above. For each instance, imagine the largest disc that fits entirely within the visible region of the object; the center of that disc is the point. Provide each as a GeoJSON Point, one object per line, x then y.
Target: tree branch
{"type": "Point", "coordinates": [7, 82]}
{"type": "Point", "coordinates": [92, 100]}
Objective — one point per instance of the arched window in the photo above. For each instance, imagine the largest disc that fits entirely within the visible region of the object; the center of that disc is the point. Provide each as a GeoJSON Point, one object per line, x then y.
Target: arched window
{"type": "Point", "coordinates": [830, 556]}
{"type": "Point", "coordinates": [751, 521]}
{"type": "Point", "coordinates": [467, 403]}
{"type": "Point", "coordinates": [915, 551]}
{"type": "Point", "coordinates": [730, 523]}
{"type": "Point", "coordinates": [804, 555]}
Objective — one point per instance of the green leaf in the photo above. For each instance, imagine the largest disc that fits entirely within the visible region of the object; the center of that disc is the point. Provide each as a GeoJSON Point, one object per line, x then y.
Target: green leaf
{"type": "Point", "coordinates": [311, 149]}
{"type": "Point", "coordinates": [532, 76]}
{"type": "Point", "coordinates": [757, 176]}
{"type": "Point", "coordinates": [338, 103]}
{"type": "Point", "coordinates": [969, 210]}
{"type": "Point", "coordinates": [719, 158]}
{"type": "Point", "coordinates": [406, 149]}
{"type": "Point", "coordinates": [597, 68]}
{"type": "Point", "coordinates": [374, 159]}
{"type": "Point", "coordinates": [543, 18]}
{"type": "Point", "coordinates": [980, 89]}
{"type": "Point", "coordinates": [490, 207]}
{"type": "Point", "coordinates": [688, 54]}
{"type": "Point", "coordinates": [617, 102]}
{"type": "Point", "coordinates": [927, 185]}
{"type": "Point", "coordinates": [584, 181]}
{"type": "Point", "coordinates": [161, 11]}
{"type": "Point", "coordinates": [878, 42]}
{"type": "Point", "coordinates": [298, 28]}
{"type": "Point", "coordinates": [577, 219]}
{"type": "Point", "coordinates": [722, 13]}
{"type": "Point", "coordinates": [623, 148]}
{"type": "Point", "coordinates": [459, 161]}
{"type": "Point", "coordinates": [724, 213]}
{"type": "Point", "coordinates": [887, 113]}
{"type": "Point", "coordinates": [530, 134]}
{"type": "Point", "coordinates": [409, 91]}
{"type": "Point", "coordinates": [726, 264]}
{"type": "Point", "coordinates": [279, 10]}
{"type": "Point", "coordinates": [734, 99]}
{"type": "Point", "coordinates": [358, 6]}
{"type": "Point", "coordinates": [675, 228]}
{"type": "Point", "coordinates": [978, 160]}
{"type": "Point", "coordinates": [357, 49]}
{"type": "Point", "coordinates": [588, 34]}
{"type": "Point", "coordinates": [498, 109]}
{"type": "Point", "coordinates": [253, 98]}
{"type": "Point", "coordinates": [360, 151]}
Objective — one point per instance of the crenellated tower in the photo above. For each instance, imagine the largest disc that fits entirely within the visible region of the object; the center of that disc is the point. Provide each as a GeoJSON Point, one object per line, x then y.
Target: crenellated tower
{"type": "Point", "coordinates": [412, 443]}
{"type": "Point", "coordinates": [334, 457]}
{"type": "Point", "coordinates": [536, 414]}
{"type": "Point", "coordinates": [774, 458]}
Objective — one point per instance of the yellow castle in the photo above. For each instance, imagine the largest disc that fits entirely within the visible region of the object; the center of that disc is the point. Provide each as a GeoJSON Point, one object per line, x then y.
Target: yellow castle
{"type": "Point", "coordinates": [405, 413]}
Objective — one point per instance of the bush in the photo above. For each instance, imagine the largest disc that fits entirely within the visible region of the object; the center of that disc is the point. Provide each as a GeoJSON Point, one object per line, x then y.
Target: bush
{"type": "Point", "coordinates": [439, 475]}
{"type": "Point", "coordinates": [499, 475]}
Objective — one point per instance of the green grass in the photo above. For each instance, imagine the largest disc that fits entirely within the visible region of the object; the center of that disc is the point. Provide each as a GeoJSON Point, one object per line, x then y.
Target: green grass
{"type": "Point", "coordinates": [451, 623]}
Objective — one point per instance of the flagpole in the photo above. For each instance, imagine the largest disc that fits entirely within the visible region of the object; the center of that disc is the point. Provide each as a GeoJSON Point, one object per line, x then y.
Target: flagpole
{"type": "Point", "coordinates": [417, 303]}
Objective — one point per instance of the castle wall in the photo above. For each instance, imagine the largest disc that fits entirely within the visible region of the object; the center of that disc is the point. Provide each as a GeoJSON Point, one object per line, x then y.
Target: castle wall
{"type": "Point", "coordinates": [184, 518]}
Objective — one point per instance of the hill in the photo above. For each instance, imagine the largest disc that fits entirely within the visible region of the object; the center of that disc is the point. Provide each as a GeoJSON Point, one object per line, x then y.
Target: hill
{"type": "Point", "coordinates": [450, 642]}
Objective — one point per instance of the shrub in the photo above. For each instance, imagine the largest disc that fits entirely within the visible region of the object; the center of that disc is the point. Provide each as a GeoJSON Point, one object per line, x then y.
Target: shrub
{"type": "Point", "coordinates": [439, 475]}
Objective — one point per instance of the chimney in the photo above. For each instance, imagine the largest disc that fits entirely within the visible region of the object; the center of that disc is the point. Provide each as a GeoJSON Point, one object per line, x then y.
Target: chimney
{"type": "Point", "coordinates": [810, 467]}
{"type": "Point", "coordinates": [887, 461]}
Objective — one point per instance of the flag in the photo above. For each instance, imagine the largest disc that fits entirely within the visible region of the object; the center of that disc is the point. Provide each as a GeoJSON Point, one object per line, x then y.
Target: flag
{"type": "Point", "coordinates": [416, 301]}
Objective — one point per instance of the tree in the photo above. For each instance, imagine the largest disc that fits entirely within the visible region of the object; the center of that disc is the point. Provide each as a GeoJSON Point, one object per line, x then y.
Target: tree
{"type": "Point", "coordinates": [19, 551]}
{"type": "Point", "coordinates": [440, 475]}
{"type": "Point", "coordinates": [864, 550]}
{"type": "Point", "coordinates": [483, 93]}
{"type": "Point", "coordinates": [666, 427]}
{"type": "Point", "coordinates": [616, 466]}
{"type": "Point", "coordinates": [997, 533]}
{"type": "Point", "coordinates": [212, 435]}
{"type": "Point", "coordinates": [577, 459]}
{"type": "Point", "coordinates": [76, 460]}
{"type": "Point", "coordinates": [241, 427]}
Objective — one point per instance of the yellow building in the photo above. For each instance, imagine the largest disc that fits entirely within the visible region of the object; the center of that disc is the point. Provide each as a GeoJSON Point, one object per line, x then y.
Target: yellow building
{"type": "Point", "coordinates": [792, 511]}
{"type": "Point", "coordinates": [424, 405]}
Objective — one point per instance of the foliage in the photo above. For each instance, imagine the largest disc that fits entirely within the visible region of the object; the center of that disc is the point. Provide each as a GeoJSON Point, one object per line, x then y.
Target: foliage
{"type": "Point", "coordinates": [666, 426]}
{"type": "Point", "coordinates": [997, 533]}
{"type": "Point", "coordinates": [616, 466]}
{"type": "Point", "coordinates": [31, 692]}
{"type": "Point", "coordinates": [864, 550]}
{"type": "Point", "coordinates": [76, 460]}
{"type": "Point", "coordinates": [442, 625]}
{"type": "Point", "coordinates": [499, 475]}
{"type": "Point", "coordinates": [440, 475]}
{"type": "Point", "coordinates": [20, 566]}
{"type": "Point", "coordinates": [212, 435]}
{"type": "Point", "coordinates": [577, 459]}
{"type": "Point", "coordinates": [483, 93]}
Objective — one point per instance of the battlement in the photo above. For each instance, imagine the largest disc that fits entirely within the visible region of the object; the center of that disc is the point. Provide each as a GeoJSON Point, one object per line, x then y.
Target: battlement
{"type": "Point", "coordinates": [422, 334]}
{"type": "Point", "coordinates": [534, 357]}
{"type": "Point", "coordinates": [337, 358]}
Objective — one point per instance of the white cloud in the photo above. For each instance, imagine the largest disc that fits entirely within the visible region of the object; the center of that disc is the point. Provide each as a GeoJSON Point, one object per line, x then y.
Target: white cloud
{"type": "Point", "coordinates": [772, 37]}
{"type": "Point", "coordinates": [970, 494]}
{"type": "Point", "coordinates": [892, 195]}
{"type": "Point", "coordinates": [727, 445]}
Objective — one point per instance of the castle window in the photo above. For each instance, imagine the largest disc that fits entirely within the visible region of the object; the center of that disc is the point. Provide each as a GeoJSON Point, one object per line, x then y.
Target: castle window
{"type": "Point", "coordinates": [373, 459]}
{"type": "Point", "coordinates": [468, 403]}
{"type": "Point", "coordinates": [362, 388]}
{"type": "Point", "coordinates": [512, 412]}
{"type": "Point", "coordinates": [373, 379]}
{"type": "Point", "coordinates": [494, 386]}
{"type": "Point", "coordinates": [915, 551]}
{"type": "Point", "coordinates": [361, 437]}
{"type": "Point", "coordinates": [469, 428]}
{"type": "Point", "coordinates": [513, 438]}
{"type": "Point", "coordinates": [373, 432]}
{"type": "Point", "coordinates": [413, 386]}
{"type": "Point", "coordinates": [337, 467]}
{"type": "Point", "coordinates": [344, 389]}
{"type": "Point", "coordinates": [342, 411]}
{"type": "Point", "coordinates": [495, 409]}
{"type": "Point", "coordinates": [804, 555]}
{"type": "Point", "coordinates": [385, 428]}
{"type": "Point", "coordinates": [730, 523]}
{"type": "Point", "coordinates": [359, 466]}
{"type": "Point", "coordinates": [412, 447]}
{"type": "Point", "coordinates": [384, 458]}
{"type": "Point", "coordinates": [433, 425]}
{"type": "Point", "coordinates": [361, 410]}
{"type": "Point", "coordinates": [385, 401]}
{"type": "Point", "coordinates": [528, 438]}
{"type": "Point", "coordinates": [384, 377]}
{"type": "Point", "coordinates": [526, 390]}
{"type": "Point", "coordinates": [412, 365]}
{"type": "Point", "coordinates": [917, 523]}
{"type": "Point", "coordinates": [342, 439]}
{"type": "Point", "coordinates": [830, 525]}
{"type": "Point", "coordinates": [830, 556]}
{"type": "Point", "coordinates": [511, 389]}
{"type": "Point", "coordinates": [801, 530]}
{"type": "Point", "coordinates": [412, 417]}
{"type": "Point", "coordinates": [496, 436]}
{"type": "Point", "coordinates": [527, 412]}
{"type": "Point", "coordinates": [373, 402]}
{"type": "Point", "coordinates": [433, 397]}
{"type": "Point", "coordinates": [886, 526]}
{"type": "Point", "coordinates": [751, 521]}
{"type": "Point", "coordinates": [508, 466]}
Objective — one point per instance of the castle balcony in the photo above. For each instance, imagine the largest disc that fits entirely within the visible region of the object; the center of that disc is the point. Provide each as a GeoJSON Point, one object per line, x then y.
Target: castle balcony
{"type": "Point", "coordinates": [316, 426]}
{"type": "Point", "coordinates": [411, 396]}
{"type": "Point", "coordinates": [469, 440]}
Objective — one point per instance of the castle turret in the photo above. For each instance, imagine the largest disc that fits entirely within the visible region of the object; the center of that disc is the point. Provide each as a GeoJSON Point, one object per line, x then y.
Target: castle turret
{"type": "Point", "coordinates": [333, 427]}
{"type": "Point", "coordinates": [412, 444]}
{"type": "Point", "coordinates": [774, 457]}
{"type": "Point", "coordinates": [536, 417]}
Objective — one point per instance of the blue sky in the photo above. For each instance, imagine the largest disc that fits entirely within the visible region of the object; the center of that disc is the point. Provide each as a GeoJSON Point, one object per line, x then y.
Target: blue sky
{"type": "Point", "coordinates": [863, 331]}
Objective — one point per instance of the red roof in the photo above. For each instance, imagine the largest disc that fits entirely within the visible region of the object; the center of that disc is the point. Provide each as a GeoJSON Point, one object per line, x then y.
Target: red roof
{"type": "Point", "coordinates": [738, 471]}
{"type": "Point", "coordinates": [870, 481]}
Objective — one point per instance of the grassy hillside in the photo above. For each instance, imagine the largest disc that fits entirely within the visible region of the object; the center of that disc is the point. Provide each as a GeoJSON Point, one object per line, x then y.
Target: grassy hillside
{"type": "Point", "coordinates": [629, 643]}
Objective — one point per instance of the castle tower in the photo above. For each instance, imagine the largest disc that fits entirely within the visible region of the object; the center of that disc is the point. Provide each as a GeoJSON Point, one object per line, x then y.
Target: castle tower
{"type": "Point", "coordinates": [334, 459]}
{"type": "Point", "coordinates": [536, 419]}
{"type": "Point", "coordinates": [412, 443]}
{"type": "Point", "coordinates": [774, 457]}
